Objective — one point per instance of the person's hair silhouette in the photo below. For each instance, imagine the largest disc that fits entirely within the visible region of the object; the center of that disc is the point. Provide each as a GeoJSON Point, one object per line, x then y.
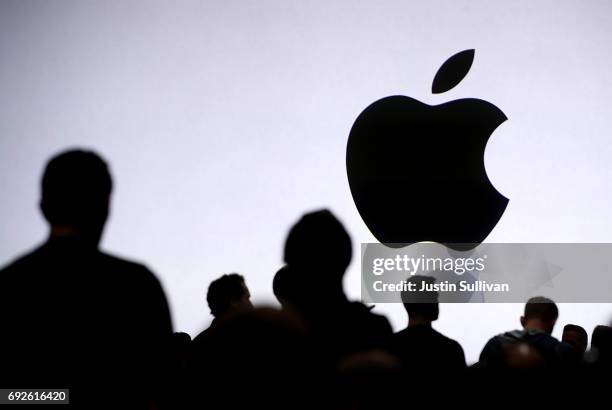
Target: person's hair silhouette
{"type": "Point", "coordinates": [78, 316]}
{"type": "Point", "coordinates": [76, 189]}
{"type": "Point", "coordinates": [575, 336]}
{"type": "Point", "coordinates": [541, 314]}
{"type": "Point", "coordinates": [228, 294]}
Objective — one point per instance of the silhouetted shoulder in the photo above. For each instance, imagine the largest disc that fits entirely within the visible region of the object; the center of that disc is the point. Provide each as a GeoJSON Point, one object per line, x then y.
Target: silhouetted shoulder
{"type": "Point", "coordinates": [202, 338]}
{"type": "Point", "coordinates": [492, 350]}
{"type": "Point", "coordinates": [375, 322]}
{"type": "Point", "coordinates": [90, 278]}
{"type": "Point", "coordinates": [121, 262]}
{"type": "Point", "coordinates": [19, 263]}
{"type": "Point", "coordinates": [143, 289]}
{"type": "Point", "coordinates": [546, 345]}
{"type": "Point", "coordinates": [445, 339]}
{"type": "Point", "coordinates": [425, 348]}
{"type": "Point", "coordinates": [47, 253]}
{"type": "Point", "coordinates": [454, 348]}
{"type": "Point", "coordinates": [137, 270]}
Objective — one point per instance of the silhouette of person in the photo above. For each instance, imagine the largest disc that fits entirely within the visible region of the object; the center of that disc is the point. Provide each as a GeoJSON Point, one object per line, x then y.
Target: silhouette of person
{"type": "Point", "coordinates": [601, 346]}
{"type": "Point", "coordinates": [420, 347]}
{"type": "Point", "coordinates": [576, 337]}
{"type": "Point", "coordinates": [283, 287]}
{"type": "Point", "coordinates": [173, 395]}
{"type": "Point", "coordinates": [72, 315]}
{"type": "Point", "coordinates": [538, 322]}
{"type": "Point", "coordinates": [253, 358]}
{"type": "Point", "coordinates": [318, 250]}
{"type": "Point", "coordinates": [226, 296]}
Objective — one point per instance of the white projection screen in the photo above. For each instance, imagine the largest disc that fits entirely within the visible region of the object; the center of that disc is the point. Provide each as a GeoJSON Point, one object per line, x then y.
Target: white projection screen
{"type": "Point", "coordinates": [224, 121]}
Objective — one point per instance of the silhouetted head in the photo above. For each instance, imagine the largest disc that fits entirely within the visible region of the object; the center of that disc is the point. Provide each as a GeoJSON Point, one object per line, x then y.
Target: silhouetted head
{"type": "Point", "coordinates": [76, 189]}
{"type": "Point", "coordinates": [319, 244]}
{"type": "Point", "coordinates": [522, 356]}
{"type": "Point", "coordinates": [283, 287]}
{"type": "Point", "coordinates": [540, 314]}
{"type": "Point", "coordinates": [360, 375]}
{"type": "Point", "coordinates": [576, 336]}
{"type": "Point", "coordinates": [228, 294]}
{"type": "Point", "coordinates": [422, 306]}
{"type": "Point", "coordinates": [601, 343]}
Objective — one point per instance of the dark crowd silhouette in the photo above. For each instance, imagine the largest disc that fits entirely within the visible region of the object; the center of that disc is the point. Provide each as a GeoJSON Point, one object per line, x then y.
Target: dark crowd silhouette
{"type": "Point", "coordinates": [75, 317]}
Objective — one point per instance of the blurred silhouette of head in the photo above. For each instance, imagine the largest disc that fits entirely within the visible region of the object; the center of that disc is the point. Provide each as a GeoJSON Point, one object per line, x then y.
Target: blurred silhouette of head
{"type": "Point", "coordinates": [319, 245]}
{"type": "Point", "coordinates": [522, 356]}
{"type": "Point", "coordinates": [575, 336]}
{"type": "Point", "coordinates": [76, 189]}
{"type": "Point", "coordinates": [601, 343]}
{"type": "Point", "coordinates": [283, 287]}
{"type": "Point", "coordinates": [422, 306]}
{"type": "Point", "coordinates": [367, 372]}
{"type": "Point", "coordinates": [540, 314]}
{"type": "Point", "coordinates": [228, 295]}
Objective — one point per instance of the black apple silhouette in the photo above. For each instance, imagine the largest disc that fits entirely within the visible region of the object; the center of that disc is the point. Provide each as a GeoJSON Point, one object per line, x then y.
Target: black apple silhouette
{"type": "Point", "coordinates": [416, 171]}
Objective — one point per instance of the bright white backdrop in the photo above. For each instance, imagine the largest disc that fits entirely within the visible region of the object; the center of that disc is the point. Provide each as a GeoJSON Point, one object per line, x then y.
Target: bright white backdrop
{"type": "Point", "coordinates": [223, 121]}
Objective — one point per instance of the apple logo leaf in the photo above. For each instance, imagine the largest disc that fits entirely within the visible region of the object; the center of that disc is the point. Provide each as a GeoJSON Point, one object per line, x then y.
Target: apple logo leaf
{"type": "Point", "coordinates": [452, 71]}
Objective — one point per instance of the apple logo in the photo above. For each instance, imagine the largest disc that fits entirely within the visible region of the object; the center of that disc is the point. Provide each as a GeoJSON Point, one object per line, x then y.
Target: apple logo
{"type": "Point", "coordinates": [416, 171]}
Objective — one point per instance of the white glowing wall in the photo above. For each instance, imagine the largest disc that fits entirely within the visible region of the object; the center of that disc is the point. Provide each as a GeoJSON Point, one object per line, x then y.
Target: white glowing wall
{"type": "Point", "coordinates": [224, 121]}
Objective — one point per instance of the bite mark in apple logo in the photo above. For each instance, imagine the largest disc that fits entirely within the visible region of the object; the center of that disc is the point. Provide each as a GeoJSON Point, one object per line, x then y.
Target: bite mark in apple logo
{"type": "Point", "coordinates": [417, 172]}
